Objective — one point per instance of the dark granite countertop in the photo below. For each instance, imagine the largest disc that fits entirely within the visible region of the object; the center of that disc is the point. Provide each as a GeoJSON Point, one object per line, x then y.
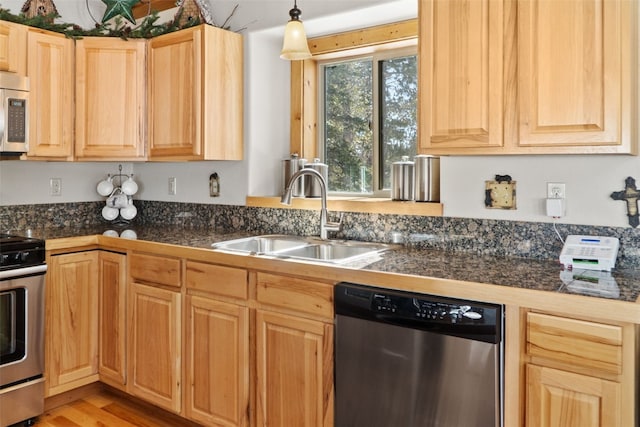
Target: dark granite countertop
{"type": "Point", "coordinates": [544, 275]}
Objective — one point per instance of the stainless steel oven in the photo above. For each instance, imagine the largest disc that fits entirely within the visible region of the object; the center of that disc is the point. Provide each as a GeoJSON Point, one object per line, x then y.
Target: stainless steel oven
{"type": "Point", "coordinates": [22, 281]}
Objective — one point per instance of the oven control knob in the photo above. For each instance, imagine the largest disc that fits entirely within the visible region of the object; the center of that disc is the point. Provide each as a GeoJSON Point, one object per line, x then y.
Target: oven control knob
{"type": "Point", "coordinates": [24, 256]}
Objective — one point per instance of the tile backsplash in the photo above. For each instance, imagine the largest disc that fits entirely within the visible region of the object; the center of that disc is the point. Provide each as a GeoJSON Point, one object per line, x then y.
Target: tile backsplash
{"type": "Point", "coordinates": [481, 236]}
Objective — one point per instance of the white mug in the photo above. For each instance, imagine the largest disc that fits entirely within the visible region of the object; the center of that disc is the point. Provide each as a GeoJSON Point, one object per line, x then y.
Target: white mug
{"type": "Point", "coordinates": [129, 234]}
{"type": "Point", "coordinates": [110, 213]}
{"type": "Point", "coordinates": [129, 212]}
{"type": "Point", "coordinates": [129, 187]}
{"type": "Point", "coordinates": [105, 187]}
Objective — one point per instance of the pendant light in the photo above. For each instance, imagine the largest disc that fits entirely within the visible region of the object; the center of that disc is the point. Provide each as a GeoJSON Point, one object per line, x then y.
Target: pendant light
{"type": "Point", "coordinates": [294, 46]}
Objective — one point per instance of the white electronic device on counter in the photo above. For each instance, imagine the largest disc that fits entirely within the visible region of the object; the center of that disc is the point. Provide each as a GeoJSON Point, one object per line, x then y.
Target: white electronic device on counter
{"type": "Point", "coordinates": [590, 252]}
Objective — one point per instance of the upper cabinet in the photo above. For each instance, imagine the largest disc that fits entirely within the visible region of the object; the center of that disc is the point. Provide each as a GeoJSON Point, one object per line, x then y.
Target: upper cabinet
{"type": "Point", "coordinates": [534, 76]}
{"type": "Point", "coordinates": [196, 95]}
{"type": "Point", "coordinates": [574, 75]}
{"type": "Point", "coordinates": [461, 81]}
{"type": "Point", "coordinates": [51, 100]}
{"type": "Point", "coordinates": [13, 47]}
{"type": "Point", "coordinates": [110, 99]}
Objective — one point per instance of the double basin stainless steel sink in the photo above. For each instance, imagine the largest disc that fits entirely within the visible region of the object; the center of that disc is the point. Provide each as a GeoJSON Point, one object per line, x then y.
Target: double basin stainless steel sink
{"type": "Point", "coordinates": [303, 248]}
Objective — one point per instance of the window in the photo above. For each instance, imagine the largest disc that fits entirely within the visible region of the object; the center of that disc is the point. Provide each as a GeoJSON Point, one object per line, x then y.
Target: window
{"type": "Point", "coordinates": [367, 117]}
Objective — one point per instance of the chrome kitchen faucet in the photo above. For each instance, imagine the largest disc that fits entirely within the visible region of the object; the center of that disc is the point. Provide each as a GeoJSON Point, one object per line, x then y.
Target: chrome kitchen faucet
{"type": "Point", "coordinates": [325, 226]}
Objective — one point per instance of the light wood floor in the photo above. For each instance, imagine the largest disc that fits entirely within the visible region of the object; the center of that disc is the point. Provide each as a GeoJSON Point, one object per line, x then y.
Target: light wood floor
{"type": "Point", "coordinates": [106, 409]}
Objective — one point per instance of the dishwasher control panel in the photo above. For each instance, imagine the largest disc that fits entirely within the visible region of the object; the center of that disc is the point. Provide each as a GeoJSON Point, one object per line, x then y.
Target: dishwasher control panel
{"type": "Point", "coordinates": [410, 307]}
{"type": "Point", "coordinates": [419, 311]}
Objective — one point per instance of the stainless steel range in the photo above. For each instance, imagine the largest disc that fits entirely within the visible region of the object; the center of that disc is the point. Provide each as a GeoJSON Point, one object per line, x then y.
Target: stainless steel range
{"type": "Point", "coordinates": [22, 274]}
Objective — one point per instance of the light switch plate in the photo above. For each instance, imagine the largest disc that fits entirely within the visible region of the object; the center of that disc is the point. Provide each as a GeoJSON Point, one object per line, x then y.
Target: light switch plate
{"type": "Point", "coordinates": [500, 195]}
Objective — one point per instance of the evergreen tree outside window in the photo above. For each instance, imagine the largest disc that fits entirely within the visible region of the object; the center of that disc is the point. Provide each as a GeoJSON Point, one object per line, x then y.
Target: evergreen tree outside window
{"type": "Point", "coordinates": [369, 119]}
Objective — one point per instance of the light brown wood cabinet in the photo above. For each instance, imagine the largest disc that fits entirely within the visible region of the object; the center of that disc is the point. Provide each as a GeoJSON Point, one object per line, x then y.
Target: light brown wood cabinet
{"type": "Point", "coordinates": [294, 352]}
{"type": "Point", "coordinates": [110, 99]}
{"type": "Point", "coordinates": [539, 77]}
{"type": "Point", "coordinates": [51, 98]}
{"type": "Point", "coordinates": [111, 318]}
{"type": "Point", "coordinates": [216, 320]}
{"type": "Point", "coordinates": [579, 372]}
{"type": "Point", "coordinates": [13, 47]}
{"type": "Point", "coordinates": [196, 95]}
{"type": "Point", "coordinates": [217, 361]}
{"type": "Point", "coordinates": [462, 45]}
{"type": "Point", "coordinates": [154, 343]}
{"type": "Point", "coordinates": [71, 343]}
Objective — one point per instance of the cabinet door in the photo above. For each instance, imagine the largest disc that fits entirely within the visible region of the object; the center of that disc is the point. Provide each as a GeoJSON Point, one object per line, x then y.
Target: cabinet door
{"type": "Point", "coordinates": [217, 360]}
{"type": "Point", "coordinates": [294, 372]}
{"type": "Point", "coordinates": [13, 47]}
{"type": "Point", "coordinates": [72, 321]}
{"type": "Point", "coordinates": [154, 362]}
{"type": "Point", "coordinates": [573, 75]}
{"type": "Point", "coordinates": [51, 101]}
{"type": "Point", "coordinates": [196, 95]}
{"type": "Point", "coordinates": [461, 74]}
{"type": "Point", "coordinates": [110, 99]}
{"type": "Point", "coordinates": [112, 313]}
{"type": "Point", "coordinates": [175, 95]}
{"type": "Point", "coordinates": [563, 399]}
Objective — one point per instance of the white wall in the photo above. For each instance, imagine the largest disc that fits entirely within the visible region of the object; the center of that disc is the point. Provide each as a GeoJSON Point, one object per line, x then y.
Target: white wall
{"type": "Point", "coordinates": [28, 182]}
{"type": "Point", "coordinates": [589, 179]}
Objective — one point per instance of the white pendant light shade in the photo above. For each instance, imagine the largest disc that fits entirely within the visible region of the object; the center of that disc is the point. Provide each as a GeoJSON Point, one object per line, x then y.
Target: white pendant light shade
{"type": "Point", "coordinates": [294, 46]}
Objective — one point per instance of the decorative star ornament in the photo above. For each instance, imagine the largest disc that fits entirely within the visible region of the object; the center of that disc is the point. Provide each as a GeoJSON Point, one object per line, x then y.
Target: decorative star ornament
{"type": "Point", "coordinates": [119, 7]}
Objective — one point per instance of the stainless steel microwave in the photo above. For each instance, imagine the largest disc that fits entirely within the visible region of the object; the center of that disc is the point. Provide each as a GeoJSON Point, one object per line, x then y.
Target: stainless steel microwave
{"type": "Point", "coordinates": [14, 113]}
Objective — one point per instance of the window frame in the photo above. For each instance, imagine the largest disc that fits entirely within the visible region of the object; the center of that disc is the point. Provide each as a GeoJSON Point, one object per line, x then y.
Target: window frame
{"type": "Point", "coordinates": [377, 58]}
{"type": "Point", "coordinates": [304, 79]}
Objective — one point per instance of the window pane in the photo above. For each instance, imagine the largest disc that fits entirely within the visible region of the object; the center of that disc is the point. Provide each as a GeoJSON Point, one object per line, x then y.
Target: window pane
{"type": "Point", "coordinates": [398, 100]}
{"type": "Point", "coordinates": [348, 108]}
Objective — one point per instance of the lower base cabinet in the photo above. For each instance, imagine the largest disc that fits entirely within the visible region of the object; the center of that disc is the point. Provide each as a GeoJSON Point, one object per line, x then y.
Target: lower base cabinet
{"type": "Point", "coordinates": [71, 325]}
{"type": "Point", "coordinates": [294, 352]}
{"type": "Point", "coordinates": [111, 318]}
{"type": "Point", "coordinates": [560, 398]}
{"type": "Point", "coordinates": [579, 372]}
{"type": "Point", "coordinates": [217, 361]}
{"type": "Point", "coordinates": [154, 362]}
{"type": "Point", "coordinates": [294, 371]}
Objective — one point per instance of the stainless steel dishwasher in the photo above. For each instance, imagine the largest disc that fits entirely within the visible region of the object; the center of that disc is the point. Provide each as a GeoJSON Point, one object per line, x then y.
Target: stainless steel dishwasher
{"type": "Point", "coordinates": [414, 360]}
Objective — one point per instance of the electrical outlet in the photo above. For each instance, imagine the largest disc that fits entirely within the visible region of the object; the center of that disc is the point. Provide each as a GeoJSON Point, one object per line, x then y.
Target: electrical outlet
{"type": "Point", "coordinates": [555, 190]}
{"type": "Point", "coordinates": [55, 186]}
{"type": "Point", "coordinates": [172, 186]}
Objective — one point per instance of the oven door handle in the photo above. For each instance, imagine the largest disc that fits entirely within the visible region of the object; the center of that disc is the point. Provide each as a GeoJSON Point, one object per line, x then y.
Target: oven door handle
{"type": "Point", "coordinates": [25, 271]}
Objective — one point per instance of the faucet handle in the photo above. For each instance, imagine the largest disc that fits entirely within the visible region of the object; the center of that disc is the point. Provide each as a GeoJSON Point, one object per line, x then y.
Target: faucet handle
{"type": "Point", "coordinates": [335, 226]}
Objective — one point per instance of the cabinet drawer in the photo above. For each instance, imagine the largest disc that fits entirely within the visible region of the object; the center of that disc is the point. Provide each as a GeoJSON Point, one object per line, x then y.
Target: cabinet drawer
{"type": "Point", "coordinates": [295, 294]}
{"type": "Point", "coordinates": [216, 279]}
{"type": "Point", "coordinates": [575, 342]}
{"type": "Point", "coordinates": [156, 269]}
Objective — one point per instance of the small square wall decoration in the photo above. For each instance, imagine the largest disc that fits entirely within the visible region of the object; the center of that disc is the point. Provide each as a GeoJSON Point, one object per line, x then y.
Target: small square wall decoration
{"type": "Point", "coordinates": [500, 193]}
